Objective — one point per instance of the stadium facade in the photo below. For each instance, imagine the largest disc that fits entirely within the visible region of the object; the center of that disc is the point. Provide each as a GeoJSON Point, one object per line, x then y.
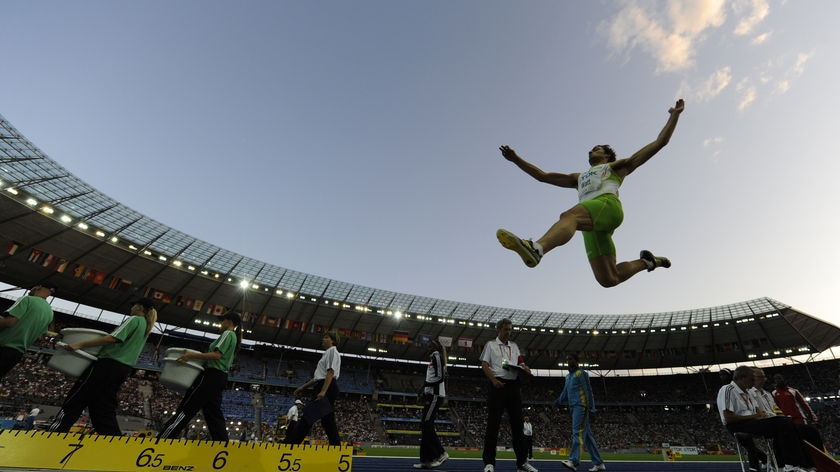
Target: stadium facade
{"type": "Point", "coordinates": [101, 253]}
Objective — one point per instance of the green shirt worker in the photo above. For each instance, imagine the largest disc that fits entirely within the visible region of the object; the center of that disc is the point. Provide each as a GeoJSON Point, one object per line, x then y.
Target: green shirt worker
{"type": "Point", "coordinates": [23, 323]}
{"type": "Point", "coordinates": [99, 384]}
{"type": "Point", "coordinates": [205, 393]}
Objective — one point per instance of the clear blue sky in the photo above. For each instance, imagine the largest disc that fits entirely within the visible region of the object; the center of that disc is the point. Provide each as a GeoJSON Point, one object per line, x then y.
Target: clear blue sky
{"type": "Point", "coordinates": [359, 140]}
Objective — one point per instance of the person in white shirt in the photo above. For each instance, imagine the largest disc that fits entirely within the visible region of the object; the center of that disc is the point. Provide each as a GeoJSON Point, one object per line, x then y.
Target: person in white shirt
{"type": "Point", "coordinates": [30, 420]}
{"type": "Point", "coordinates": [501, 363]}
{"type": "Point", "coordinates": [739, 414]}
{"type": "Point", "coordinates": [292, 418]}
{"type": "Point", "coordinates": [528, 431]}
{"type": "Point", "coordinates": [325, 380]}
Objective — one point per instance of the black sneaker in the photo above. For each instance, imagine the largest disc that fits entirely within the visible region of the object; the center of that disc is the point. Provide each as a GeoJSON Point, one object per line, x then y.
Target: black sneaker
{"type": "Point", "coordinates": [652, 261]}
{"type": "Point", "coordinates": [524, 247]}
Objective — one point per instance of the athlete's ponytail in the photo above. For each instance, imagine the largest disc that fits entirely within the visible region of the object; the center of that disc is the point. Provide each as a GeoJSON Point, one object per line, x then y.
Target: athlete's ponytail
{"type": "Point", "coordinates": [149, 311]}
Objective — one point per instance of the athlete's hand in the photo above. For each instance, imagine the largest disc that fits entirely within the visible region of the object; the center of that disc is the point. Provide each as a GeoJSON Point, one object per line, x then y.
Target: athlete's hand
{"type": "Point", "coordinates": [509, 153]}
{"type": "Point", "coordinates": [678, 108]}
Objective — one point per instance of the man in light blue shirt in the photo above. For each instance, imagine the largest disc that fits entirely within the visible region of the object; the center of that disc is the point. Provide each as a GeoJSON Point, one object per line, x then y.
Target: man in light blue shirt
{"type": "Point", "coordinates": [578, 394]}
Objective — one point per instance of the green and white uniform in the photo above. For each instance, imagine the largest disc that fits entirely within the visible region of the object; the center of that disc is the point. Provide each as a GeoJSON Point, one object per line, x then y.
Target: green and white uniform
{"type": "Point", "coordinates": [99, 384]}
{"type": "Point", "coordinates": [132, 337]}
{"type": "Point", "coordinates": [205, 393]}
{"type": "Point", "coordinates": [226, 345]}
{"type": "Point", "coordinates": [34, 316]}
{"type": "Point", "coordinates": [598, 193]}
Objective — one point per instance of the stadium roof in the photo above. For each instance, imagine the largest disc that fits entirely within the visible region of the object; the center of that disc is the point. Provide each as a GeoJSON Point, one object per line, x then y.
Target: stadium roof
{"type": "Point", "coordinates": [101, 253]}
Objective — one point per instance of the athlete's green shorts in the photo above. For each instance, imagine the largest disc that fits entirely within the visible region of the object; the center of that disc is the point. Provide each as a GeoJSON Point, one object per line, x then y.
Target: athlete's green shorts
{"type": "Point", "coordinates": [606, 214]}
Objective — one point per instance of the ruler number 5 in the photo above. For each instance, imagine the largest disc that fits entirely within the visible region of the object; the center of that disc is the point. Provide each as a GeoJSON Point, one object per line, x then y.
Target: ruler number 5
{"type": "Point", "coordinates": [343, 463]}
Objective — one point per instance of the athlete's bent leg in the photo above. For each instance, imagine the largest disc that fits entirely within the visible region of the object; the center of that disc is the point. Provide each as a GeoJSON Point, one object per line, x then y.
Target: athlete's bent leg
{"type": "Point", "coordinates": [610, 274]}
{"type": "Point", "coordinates": [572, 220]}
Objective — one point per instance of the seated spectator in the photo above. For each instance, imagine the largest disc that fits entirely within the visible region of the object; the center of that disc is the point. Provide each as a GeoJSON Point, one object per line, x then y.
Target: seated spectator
{"type": "Point", "coordinates": [764, 401]}
{"type": "Point", "coordinates": [792, 403]}
{"type": "Point", "coordinates": [739, 415]}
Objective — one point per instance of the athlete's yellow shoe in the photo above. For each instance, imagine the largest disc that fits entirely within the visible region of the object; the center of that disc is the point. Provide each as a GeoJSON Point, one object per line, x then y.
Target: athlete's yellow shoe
{"type": "Point", "coordinates": [524, 247]}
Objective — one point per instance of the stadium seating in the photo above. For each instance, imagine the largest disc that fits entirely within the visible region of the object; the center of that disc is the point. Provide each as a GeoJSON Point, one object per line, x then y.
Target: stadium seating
{"type": "Point", "coordinates": [378, 402]}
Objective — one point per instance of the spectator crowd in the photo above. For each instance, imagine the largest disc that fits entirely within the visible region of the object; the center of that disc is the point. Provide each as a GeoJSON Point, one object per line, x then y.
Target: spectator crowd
{"type": "Point", "coordinates": [378, 400]}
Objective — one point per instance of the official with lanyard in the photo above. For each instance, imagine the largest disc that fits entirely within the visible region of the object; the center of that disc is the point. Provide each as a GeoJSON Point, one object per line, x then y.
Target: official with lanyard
{"type": "Point", "coordinates": [501, 362]}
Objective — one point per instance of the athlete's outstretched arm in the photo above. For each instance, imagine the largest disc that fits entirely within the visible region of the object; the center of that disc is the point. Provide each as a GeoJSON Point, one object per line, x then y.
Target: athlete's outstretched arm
{"type": "Point", "coordinates": [553, 178]}
{"type": "Point", "coordinates": [624, 167]}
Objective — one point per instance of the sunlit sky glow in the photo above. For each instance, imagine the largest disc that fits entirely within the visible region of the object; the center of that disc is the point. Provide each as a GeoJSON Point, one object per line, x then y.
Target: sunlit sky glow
{"type": "Point", "coordinates": [359, 140]}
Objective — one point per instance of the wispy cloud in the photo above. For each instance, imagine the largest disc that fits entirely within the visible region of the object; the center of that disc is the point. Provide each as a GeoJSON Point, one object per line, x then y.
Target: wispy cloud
{"type": "Point", "coordinates": [796, 70]}
{"type": "Point", "coordinates": [670, 35]}
{"type": "Point", "coordinates": [760, 39]}
{"type": "Point", "coordinates": [747, 93]}
{"type": "Point", "coordinates": [671, 31]}
{"type": "Point", "coordinates": [801, 59]}
{"type": "Point", "coordinates": [752, 13]}
{"type": "Point", "coordinates": [708, 88]}
{"type": "Point", "coordinates": [714, 144]}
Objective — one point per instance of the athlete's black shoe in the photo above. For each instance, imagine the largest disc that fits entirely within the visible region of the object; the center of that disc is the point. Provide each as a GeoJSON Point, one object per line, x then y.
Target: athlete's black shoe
{"type": "Point", "coordinates": [652, 261]}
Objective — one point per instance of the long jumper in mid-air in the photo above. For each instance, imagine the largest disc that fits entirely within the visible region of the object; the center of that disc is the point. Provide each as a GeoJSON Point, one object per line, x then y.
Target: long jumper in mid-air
{"type": "Point", "coordinates": [599, 211]}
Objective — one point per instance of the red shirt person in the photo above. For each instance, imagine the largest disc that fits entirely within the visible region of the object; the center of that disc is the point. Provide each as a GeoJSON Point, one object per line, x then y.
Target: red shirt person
{"type": "Point", "coordinates": [792, 403]}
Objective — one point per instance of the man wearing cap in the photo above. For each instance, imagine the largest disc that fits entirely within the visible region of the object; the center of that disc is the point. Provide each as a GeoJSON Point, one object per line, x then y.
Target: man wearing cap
{"type": "Point", "coordinates": [23, 323]}
{"type": "Point", "coordinates": [292, 418]}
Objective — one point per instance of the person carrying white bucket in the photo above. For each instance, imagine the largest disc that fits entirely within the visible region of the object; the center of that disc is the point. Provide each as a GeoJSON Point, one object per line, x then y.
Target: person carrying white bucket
{"type": "Point", "coordinates": [205, 393]}
{"type": "Point", "coordinates": [23, 323]}
{"type": "Point", "coordinates": [96, 389]}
